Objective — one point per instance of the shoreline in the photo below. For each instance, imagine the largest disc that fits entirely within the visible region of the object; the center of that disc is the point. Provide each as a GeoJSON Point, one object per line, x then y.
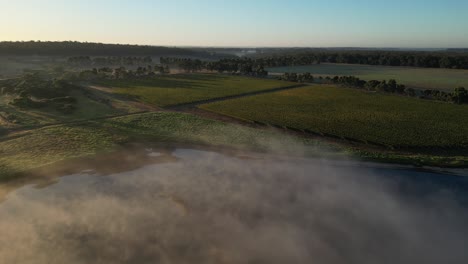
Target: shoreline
{"type": "Point", "coordinates": [60, 143]}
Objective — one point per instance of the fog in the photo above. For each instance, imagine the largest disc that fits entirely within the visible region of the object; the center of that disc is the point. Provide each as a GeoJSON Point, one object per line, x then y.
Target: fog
{"type": "Point", "coordinates": [13, 66]}
{"type": "Point", "coordinates": [207, 207]}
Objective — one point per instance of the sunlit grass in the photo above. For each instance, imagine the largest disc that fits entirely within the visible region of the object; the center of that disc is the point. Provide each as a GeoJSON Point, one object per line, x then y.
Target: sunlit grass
{"type": "Point", "coordinates": [39, 147]}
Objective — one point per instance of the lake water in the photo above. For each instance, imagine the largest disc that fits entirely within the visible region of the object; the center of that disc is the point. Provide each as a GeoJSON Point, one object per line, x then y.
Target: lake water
{"type": "Point", "coordinates": [198, 206]}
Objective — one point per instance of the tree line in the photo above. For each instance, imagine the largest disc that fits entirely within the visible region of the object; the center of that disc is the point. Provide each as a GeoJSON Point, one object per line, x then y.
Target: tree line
{"type": "Point", "coordinates": [238, 66]}
{"type": "Point", "coordinates": [112, 61]}
{"type": "Point", "coordinates": [458, 96]}
{"type": "Point", "coordinates": [118, 73]}
{"type": "Point", "coordinates": [382, 58]}
{"type": "Point", "coordinates": [448, 60]}
{"type": "Point", "coordinates": [75, 48]}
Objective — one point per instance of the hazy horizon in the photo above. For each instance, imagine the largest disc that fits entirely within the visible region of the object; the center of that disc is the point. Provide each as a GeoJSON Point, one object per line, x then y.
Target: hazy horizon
{"type": "Point", "coordinates": [297, 23]}
{"type": "Point", "coordinates": [242, 47]}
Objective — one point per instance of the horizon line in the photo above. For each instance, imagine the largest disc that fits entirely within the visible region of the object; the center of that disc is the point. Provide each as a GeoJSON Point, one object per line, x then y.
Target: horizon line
{"type": "Point", "coordinates": [242, 46]}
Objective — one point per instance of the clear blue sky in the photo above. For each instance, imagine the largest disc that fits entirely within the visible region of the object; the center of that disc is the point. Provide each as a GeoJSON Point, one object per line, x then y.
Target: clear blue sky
{"type": "Point", "coordinates": [315, 23]}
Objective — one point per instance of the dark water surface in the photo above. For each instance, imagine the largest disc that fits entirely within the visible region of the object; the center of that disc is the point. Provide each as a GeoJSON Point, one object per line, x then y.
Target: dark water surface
{"type": "Point", "coordinates": [194, 206]}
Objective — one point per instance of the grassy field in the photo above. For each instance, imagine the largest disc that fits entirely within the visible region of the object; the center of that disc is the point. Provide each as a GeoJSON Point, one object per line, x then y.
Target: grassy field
{"type": "Point", "coordinates": [342, 112]}
{"type": "Point", "coordinates": [368, 117]}
{"type": "Point", "coordinates": [176, 89]}
{"type": "Point", "coordinates": [29, 150]}
{"type": "Point", "coordinates": [442, 79]}
{"type": "Point", "coordinates": [44, 146]}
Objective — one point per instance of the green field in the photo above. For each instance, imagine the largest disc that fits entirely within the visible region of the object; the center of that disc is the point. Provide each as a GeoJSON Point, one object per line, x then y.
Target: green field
{"type": "Point", "coordinates": [176, 89]}
{"type": "Point", "coordinates": [352, 114]}
{"type": "Point", "coordinates": [368, 117]}
{"type": "Point", "coordinates": [423, 78]}
{"type": "Point", "coordinates": [27, 150]}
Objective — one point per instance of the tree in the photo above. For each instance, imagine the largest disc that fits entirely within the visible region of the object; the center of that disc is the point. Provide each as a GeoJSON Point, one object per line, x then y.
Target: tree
{"type": "Point", "coordinates": [392, 86]}
{"type": "Point", "coordinates": [410, 92]}
{"type": "Point", "coordinates": [460, 95]}
{"type": "Point", "coordinates": [382, 87]}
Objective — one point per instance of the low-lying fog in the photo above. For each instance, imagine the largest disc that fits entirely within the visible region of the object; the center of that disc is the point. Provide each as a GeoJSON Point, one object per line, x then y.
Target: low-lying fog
{"type": "Point", "coordinates": [205, 207]}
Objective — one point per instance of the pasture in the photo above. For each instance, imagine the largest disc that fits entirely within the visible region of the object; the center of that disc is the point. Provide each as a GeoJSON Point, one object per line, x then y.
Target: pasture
{"type": "Point", "coordinates": [422, 78]}
{"type": "Point", "coordinates": [169, 90]}
{"type": "Point", "coordinates": [358, 115]}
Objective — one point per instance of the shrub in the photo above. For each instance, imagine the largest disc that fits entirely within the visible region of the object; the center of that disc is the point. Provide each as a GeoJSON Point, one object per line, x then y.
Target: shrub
{"type": "Point", "coordinates": [65, 108]}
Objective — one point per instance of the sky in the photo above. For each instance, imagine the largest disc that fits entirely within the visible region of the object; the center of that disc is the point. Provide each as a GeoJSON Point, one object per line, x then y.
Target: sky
{"type": "Point", "coordinates": [243, 23]}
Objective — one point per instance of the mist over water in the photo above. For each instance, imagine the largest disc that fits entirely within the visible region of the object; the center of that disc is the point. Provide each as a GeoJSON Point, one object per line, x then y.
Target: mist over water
{"type": "Point", "coordinates": [207, 207]}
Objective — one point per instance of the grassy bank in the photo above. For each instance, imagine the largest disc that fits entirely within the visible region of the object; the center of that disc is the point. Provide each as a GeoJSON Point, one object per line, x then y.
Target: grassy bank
{"type": "Point", "coordinates": [424, 78]}
{"type": "Point", "coordinates": [39, 147]}
{"type": "Point", "coordinates": [28, 150]}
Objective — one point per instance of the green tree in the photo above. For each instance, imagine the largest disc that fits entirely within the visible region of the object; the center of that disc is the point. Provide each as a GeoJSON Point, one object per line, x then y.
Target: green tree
{"type": "Point", "coordinates": [460, 95]}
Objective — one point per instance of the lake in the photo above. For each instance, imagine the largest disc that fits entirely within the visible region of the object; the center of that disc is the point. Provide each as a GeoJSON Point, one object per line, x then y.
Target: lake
{"type": "Point", "coordinates": [181, 205]}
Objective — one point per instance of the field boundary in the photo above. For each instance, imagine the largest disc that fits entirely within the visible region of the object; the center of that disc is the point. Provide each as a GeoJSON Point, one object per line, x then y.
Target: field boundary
{"type": "Point", "coordinates": [229, 97]}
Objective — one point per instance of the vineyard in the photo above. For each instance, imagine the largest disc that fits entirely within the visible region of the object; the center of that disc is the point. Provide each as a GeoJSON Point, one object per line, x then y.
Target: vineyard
{"type": "Point", "coordinates": [393, 121]}
{"type": "Point", "coordinates": [177, 89]}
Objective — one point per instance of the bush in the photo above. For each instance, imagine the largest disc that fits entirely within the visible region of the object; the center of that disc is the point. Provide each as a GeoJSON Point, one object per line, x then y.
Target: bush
{"type": "Point", "coordinates": [66, 108]}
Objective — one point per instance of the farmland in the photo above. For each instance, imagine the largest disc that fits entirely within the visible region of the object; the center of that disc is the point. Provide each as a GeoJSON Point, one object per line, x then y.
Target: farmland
{"type": "Point", "coordinates": [118, 97]}
{"type": "Point", "coordinates": [389, 120]}
{"type": "Point", "coordinates": [423, 78]}
{"type": "Point", "coordinates": [176, 89]}
{"type": "Point", "coordinates": [107, 114]}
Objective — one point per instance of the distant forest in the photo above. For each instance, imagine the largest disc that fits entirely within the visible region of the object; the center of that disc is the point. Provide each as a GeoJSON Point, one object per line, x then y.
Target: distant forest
{"type": "Point", "coordinates": [435, 59]}
{"type": "Point", "coordinates": [450, 59]}
{"type": "Point", "coordinates": [73, 48]}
